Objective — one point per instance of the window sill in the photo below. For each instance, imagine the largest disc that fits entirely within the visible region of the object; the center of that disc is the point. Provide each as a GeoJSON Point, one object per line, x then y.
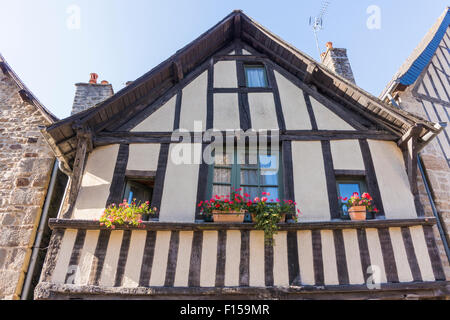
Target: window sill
{"type": "Point", "coordinates": [201, 225]}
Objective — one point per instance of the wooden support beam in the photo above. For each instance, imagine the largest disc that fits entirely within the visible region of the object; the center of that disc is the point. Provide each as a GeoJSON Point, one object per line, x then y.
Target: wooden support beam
{"type": "Point", "coordinates": [237, 26]}
{"type": "Point", "coordinates": [409, 143]}
{"type": "Point", "coordinates": [310, 70]}
{"type": "Point", "coordinates": [77, 173]}
{"type": "Point", "coordinates": [178, 70]}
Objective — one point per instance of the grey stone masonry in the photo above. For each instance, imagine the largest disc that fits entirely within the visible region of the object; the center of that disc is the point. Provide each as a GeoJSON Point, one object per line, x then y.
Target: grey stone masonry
{"type": "Point", "coordinates": [26, 163]}
{"type": "Point", "coordinates": [336, 60]}
{"type": "Point", "coordinates": [89, 94]}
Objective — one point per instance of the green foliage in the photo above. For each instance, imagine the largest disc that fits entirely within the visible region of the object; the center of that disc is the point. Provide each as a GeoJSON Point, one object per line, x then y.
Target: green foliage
{"type": "Point", "coordinates": [126, 213]}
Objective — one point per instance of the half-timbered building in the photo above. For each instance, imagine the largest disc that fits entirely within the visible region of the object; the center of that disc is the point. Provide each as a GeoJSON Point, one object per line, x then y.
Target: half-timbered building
{"type": "Point", "coordinates": [330, 137]}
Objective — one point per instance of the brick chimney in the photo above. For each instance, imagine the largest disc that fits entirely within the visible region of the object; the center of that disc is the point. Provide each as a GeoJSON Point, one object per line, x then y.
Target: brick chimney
{"type": "Point", "coordinates": [337, 61]}
{"type": "Point", "coordinates": [89, 94]}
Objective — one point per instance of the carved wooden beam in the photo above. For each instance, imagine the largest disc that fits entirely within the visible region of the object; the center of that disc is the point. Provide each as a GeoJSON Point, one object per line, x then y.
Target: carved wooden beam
{"type": "Point", "coordinates": [310, 70]}
{"type": "Point", "coordinates": [178, 70]}
{"type": "Point", "coordinates": [84, 145]}
{"type": "Point", "coordinates": [410, 145]}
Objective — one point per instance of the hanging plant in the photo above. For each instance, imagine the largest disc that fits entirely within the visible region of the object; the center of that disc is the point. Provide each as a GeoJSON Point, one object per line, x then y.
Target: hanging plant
{"type": "Point", "coordinates": [268, 214]}
{"type": "Point", "coordinates": [126, 214]}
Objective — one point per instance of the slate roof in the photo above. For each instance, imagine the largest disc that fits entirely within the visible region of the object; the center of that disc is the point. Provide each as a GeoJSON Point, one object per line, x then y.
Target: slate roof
{"type": "Point", "coordinates": [421, 56]}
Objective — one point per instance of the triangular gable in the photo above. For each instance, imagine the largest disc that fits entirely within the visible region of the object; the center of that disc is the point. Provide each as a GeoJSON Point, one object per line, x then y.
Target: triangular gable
{"type": "Point", "coordinates": [302, 109]}
{"type": "Point", "coordinates": [148, 89]}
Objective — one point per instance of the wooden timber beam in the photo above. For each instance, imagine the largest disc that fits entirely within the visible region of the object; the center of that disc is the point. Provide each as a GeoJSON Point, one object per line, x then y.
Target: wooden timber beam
{"type": "Point", "coordinates": [410, 143]}
{"type": "Point", "coordinates": [84, 146]}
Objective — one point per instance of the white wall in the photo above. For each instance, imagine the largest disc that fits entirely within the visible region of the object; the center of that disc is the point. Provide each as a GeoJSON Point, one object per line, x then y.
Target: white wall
{"type": "Point", "coordinates": [179, 196]}
{"type": "Point", "coordinates": [143, 156]}
{"type": "Point", "coordinates": [193, 102]}
{"type": "Point", "coordinates": [310, 186]}
{"type": "Point", "coordinates": [293, 104]}
{"type": "Point", "coordinates": [96, 182]}
{"type": "Point", "coordinates": [159, 121]}
{"type": "Point", "coordinates": [398, 201]}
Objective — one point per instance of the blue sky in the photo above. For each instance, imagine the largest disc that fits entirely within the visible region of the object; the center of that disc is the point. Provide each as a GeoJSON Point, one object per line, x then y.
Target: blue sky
{"type": "Point", "coordinates": [121, 40]}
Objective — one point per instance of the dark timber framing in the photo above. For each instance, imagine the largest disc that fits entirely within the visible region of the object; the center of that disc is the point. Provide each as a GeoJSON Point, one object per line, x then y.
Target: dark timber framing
{"type": "Point", "coordinates": [75, 257]}
{"type": "Point", "coordinates": [293, 263]}
{"type": "Point", "coordinates": [341, 260]}
{"type": "Point", "coordinates": [371, 178]}
{"type": "Point", "coordinates": [123, 255]}
{"type": "Point", "coordinates": [147, 259]}
{"type": "Point", "coordinates": [244, 264]}
{"type": "Point", "coordinates": [160, 175]}
{"type": "Point", "coordinates": [319, 277]}
{"type": "Point", "coordinates": [118, 182]}
{"type": "Point", "coordinates": [330, 180]}
{"type": "Point", "coordinates": [172, 258]}
{"type": "Point", "coordinates": [196, 258]}
{"type": "Point", "coordinates": [388, 255]}
{"type": "Point", "coordinates": [99, 257]}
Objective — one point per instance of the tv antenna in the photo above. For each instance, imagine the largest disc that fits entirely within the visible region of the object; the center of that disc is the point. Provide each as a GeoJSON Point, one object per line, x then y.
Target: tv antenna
{"type": "Point", "coordinates": [317, 22]}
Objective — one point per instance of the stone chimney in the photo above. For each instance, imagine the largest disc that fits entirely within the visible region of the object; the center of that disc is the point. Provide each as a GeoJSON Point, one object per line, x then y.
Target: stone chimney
{"type": "Point", "coordinates": [89, 94]}
{"type": "Point", "coordinates": [337, 61]}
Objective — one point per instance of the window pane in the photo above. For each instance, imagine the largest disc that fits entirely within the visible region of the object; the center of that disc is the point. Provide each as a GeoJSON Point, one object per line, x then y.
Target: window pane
{"type": "Point", "coordinates": [274, 194]}
{"type": "Point", "coordinates": [140, 192]}
{"type": "Point", "coordinates": [256, 77]}
{"type": "Point", "coordinates": [249, 177]}
{"type": "Point", "coordinates": [223, 159]}
{"type": "Point", "coordinates": [346, 190]}
{"type": "Point", "coordinates": [222, 175]}
{"type": "Point", "coordinates": [220, 190]}
{"type": "Point", "coordinates": [252, 191]}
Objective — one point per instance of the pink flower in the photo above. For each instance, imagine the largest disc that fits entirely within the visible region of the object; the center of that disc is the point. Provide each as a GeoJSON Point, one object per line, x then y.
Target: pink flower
{"type": "Point", "coordinates": [256, 199]}
{"type": "Point", "coordinates": [264, 199]}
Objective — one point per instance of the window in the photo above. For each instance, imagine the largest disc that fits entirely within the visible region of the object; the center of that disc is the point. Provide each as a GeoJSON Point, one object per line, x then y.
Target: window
{"type": "Point", "coordinates": [255, 76]}
{"type": "Point", "coordinates": [139, 189]}
{"type": "Point", "coordinates": [346, 186]}
{"type": "Point", "coordinates": [253, 171]}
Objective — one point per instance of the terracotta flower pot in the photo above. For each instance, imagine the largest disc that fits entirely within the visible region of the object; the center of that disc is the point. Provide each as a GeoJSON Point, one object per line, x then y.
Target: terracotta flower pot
{"type": "Point", "coordinates": [228, 217]}
{"type": "Point", "coordinates": [283, 217]}
{"type": "Point", "coordinates": [357, 213]}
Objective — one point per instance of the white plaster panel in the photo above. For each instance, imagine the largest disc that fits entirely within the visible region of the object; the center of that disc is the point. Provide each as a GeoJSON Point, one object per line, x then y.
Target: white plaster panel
{"type": "Point", "coordinates": [398, 201]}
{"type": "Point", "coordinates": [310, 185]}
{"type": "Point", "coordinates": [96, 182]}
{"type": "Point", "coordinates": [179, 196]}
{"type": "Point", "coordinates": [346, 155]}
{"type": "Point", "coordinates": [262, 111]}
{"type": "Point", "coordinates": [295, 112]}
{"type": "Point", "coordinates": [225, 75]}
{"type": "Point", "coordinates": [193, 102]}
{"type": "Point", "coordinates": [159, 121]}
{"type": "Point", "coordinates": [143, 156]}
{"type": "Point", "coordinates": [226, 111]}
{"type": "Point", "coordinates": [326, 119]}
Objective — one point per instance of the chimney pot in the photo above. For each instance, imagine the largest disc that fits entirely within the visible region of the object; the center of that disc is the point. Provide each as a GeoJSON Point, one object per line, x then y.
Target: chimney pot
{"type": "Point", "coordinates": [329, 45]}
{"type": "Point", "coordinates": [104, 82]}
{"type": "Point", "coordinates": [94, 78]}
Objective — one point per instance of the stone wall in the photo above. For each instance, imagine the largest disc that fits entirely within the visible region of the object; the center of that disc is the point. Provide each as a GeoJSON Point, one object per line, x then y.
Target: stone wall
{"type": "Point", "coordinates": [26, 163]}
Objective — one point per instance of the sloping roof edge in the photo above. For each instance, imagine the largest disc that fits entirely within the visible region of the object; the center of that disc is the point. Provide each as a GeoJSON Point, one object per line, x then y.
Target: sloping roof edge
{"type": "Point", "coordinates": [422, 54]}
{"type": "Point", "coordinates": [6, 68]}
